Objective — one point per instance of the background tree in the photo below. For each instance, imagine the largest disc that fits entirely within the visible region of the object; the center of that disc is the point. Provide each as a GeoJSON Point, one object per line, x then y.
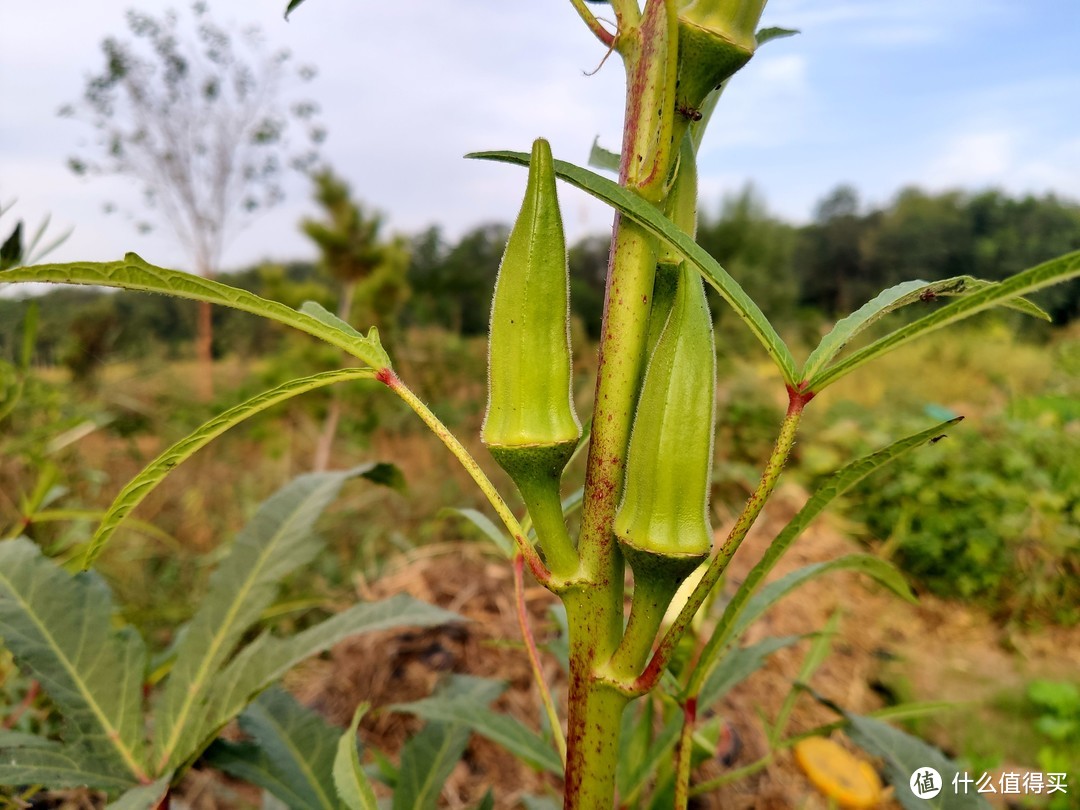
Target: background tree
{"type": "Point", "coordinates": [755, 248]}
{"type": "Point", "coordinates": [370, 270]}
{"type": "Point", "coordinates": [194, 114]}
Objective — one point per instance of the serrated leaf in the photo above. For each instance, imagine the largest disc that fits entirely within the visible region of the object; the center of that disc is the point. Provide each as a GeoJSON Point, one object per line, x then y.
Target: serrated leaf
{"type": "Point", "coordinates": [136, 490]}
{"type": "Point", "coordinates": [1036, 278]}
{"type": "Point", "coordinates": [350, 781]}
{"type": "Point", "coordinates": [471, 710]}
{"type": "Point", "coordinates": [133, 273]}
{"type": "Point", "coordinates": [428, 758]}
{"type": "Point", "coordinates": [291, 756]}
{"type": "Point", "coordinates": [59, 628]}
{"type": "Point", "coordinates": [144, 797]}
{"type": "Point", "coordinates": [637, 209]}
{"type": "Point", "coordinates": [267, 658]}
{"type": "Point", "coordinates": [486, 527]}
{"type": "Point", "coordinates": [278, 540]}
{"type": "Point", "coordinates": [903, 755]}
{"type": "Point", "coordinates": [60, 766]}
{"type": "Point", "coordinates": [893, 299]}
{"type": "Point", "coordinates": [738, 665]}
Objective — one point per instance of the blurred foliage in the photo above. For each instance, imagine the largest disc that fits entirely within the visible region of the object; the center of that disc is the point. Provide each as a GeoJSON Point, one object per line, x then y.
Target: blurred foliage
{"type": "Point", "coordinates": [991, 515]}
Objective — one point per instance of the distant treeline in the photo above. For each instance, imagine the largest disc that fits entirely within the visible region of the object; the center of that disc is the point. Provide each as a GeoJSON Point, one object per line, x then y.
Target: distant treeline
{"type": "Point", "coordinates": [829, 267]}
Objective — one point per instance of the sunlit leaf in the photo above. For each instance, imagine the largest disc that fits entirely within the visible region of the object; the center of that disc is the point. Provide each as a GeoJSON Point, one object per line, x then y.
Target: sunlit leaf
{"type": "Point", "coordinates": [350, 781]}
{"type": "Point", "coordinates": [133, 273]}
{"type": "Point", "coordinates": [1036, 278]}
{"type": "Point", "coordinates": [893, 299]}
{"type": "Point", "coordinates": [136, 490]}
{"type": "Point", "coordinates": [278, 540]}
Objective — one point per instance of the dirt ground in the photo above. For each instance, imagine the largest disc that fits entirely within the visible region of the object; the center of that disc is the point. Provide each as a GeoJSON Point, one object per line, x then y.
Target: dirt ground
{"type": "Point", "coordinates": [933, 651]}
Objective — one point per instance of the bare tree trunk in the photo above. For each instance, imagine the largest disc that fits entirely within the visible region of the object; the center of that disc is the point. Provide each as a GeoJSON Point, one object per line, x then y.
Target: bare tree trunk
{"type": "Point", "coordinates": [204, 339]}
{"type": "Point", "coordinates": [333, 416]}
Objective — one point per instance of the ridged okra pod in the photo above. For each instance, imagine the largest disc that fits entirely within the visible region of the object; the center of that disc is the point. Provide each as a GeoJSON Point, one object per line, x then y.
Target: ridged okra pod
{"type": "Point", "coordinates": [531, 427]}
{"type": "Point", "coordinates": [662, 522]}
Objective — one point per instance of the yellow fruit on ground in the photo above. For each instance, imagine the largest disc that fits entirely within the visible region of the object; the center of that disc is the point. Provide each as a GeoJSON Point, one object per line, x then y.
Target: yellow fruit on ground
{"type": "Point", "coordinates": [837, 773]}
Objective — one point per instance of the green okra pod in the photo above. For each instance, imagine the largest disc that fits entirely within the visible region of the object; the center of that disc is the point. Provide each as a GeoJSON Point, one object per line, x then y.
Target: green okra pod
{"type": "Point", "coordinates": [531, 426]}
{"type": "Point", "coordinates": [662, 522]}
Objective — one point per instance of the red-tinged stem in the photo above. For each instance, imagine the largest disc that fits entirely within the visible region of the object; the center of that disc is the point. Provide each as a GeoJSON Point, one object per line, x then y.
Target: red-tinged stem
{"type": "Point", "coordinates": [536, 565]}
{"type": "Point", "coordinates": [28, 699]}
{"type": "Point", "coordinates": [684, 754]}
{"type": "Point", "coordinates": [534, 657]}
{"type": "Point", "coordinates": [601, 33]}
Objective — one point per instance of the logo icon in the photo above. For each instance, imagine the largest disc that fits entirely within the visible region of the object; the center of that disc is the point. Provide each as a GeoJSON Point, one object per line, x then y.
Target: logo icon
{"type": "Point", "coordinates": [925, 783]}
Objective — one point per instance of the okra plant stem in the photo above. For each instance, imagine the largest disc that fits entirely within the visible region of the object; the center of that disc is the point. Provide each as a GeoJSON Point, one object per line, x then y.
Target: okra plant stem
{"type": "Point", "coordinates": [536, 565]}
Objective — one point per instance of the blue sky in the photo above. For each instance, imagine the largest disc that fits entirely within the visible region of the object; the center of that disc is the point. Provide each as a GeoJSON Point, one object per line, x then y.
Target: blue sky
{"type": "Point", "coordinates": [880, 94]}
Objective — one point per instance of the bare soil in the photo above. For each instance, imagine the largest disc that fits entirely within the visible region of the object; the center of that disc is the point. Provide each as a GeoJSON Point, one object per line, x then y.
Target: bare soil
{"type": "Point", "coordinates": [934, 650]}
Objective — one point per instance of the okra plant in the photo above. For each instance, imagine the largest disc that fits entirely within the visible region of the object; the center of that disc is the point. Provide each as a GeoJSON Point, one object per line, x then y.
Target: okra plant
{"type": "Point", "coordinates": [644, 507]}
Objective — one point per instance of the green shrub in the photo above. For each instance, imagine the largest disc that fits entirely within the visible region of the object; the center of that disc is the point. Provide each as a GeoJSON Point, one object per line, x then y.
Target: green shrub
{"type": "Point", "coordinates": [992, 516]}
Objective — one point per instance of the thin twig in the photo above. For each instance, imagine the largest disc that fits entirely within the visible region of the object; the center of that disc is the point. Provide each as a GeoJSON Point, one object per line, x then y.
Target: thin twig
{"type": "Point", "coordinates": [534, 658]}
{"type": "Point", "coordinates": [601, 33]}
{"type": "Point", "coordinates": [536, 565]}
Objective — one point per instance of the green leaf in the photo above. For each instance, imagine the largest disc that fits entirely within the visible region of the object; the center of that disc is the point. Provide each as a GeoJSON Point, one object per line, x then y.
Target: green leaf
{"type": "Point", "coordinates": [903, 755]}
{"type": "Point", "coordinates": [488, 802]}
{"type": "Point", "coordinates": [59, 628]}
{"type": "Point", "coordinates": [59, 766]}
{"type": "Point", "coordinates": [893, 299]}
{"type": "Point", "coordinates": [133, 273]}
{"type": "Point", "coordinates": [631, 776]}
{"type": "Point", "coordinates": [351, 782]}
{"type": "Point", "coordinates": [1054, 271]}
{"type": "Point", "coordinates": [471, 710]}
{"type": "Point", "coordinates": [633, 206]}
{"type": "Point", "coordinates": [428, 758]}
{"type": "Point", "coordinates": [292, 7]}
{"type": "Point", "coordinates": [291, 756]}
{"type": "Point", "coordinates": [267, 658]}
{"type": "Point", "coordinates": [738, 665]}
{"type": "Point", "coordinates": [136, 490]}
{"type": "Point", "coordinates": [769, 34]}
{"type": "Point", "coordinates": [833, 487]}
{"type": "Point", "coordinates": [540, 803]}
{"type": "Point", "coordinates": [884, 572]}
{"type": "Point", "coordinates": [486, 526]}
{"type": "Point", "coordinates": [278, 540]}
{"type": "Point", "coordinates": [144, 797]}
{"type": "Point", "coordinates": [603, 159]}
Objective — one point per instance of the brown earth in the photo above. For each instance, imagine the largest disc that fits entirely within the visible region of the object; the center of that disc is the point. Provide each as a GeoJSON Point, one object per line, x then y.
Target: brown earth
{"type": "Point", "coordinates": [933, 650]}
